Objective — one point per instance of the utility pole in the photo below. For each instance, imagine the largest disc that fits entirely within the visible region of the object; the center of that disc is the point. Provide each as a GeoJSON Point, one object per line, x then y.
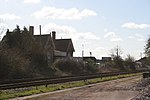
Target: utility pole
{"type": "Point", "coordinates": [117, 51]}
{"type": "Point", "coordinates": [40, 34]}
{"type": "Point", "coordinates": [82, 50]}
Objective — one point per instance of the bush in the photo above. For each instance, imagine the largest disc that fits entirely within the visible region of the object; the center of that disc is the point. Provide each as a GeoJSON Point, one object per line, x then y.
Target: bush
{"type": "Point", "coordinates": [69, 65]}
{"type": "Point", "coordinates": [118, 62]}
{"type": "Point", "coordinates": [13, 64]}
{"type": "Point", "coordinates": [91, 66]}
{"type": "Point", "coordinates": [75, 66]}
{"type": "Point", "coordinates": [130, 63]}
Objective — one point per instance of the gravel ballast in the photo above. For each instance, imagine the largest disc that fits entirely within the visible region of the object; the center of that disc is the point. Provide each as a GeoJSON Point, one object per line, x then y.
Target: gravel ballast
{"type": "Point", "coordinates": [144, 87]}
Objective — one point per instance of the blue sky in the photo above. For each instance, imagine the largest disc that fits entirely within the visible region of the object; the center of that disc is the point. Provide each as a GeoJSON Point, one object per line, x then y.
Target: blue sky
{"type": "Point", "coordinates": [99, 25]}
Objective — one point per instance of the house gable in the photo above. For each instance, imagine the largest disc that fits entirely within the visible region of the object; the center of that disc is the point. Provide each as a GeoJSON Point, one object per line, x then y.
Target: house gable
{"type": "Point", "coordinates": [64, 45]}
{"type": "Point", "coordinates": [45, 41]}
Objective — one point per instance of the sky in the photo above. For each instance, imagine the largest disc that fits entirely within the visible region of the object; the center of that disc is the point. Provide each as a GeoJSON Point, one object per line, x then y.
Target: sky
{"type": "Point", "coordinates": [95, 26]}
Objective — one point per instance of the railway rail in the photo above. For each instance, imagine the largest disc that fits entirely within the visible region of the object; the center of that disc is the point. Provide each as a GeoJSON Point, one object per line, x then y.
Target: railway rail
{"type": "Point", "coordinates": [12, 84]}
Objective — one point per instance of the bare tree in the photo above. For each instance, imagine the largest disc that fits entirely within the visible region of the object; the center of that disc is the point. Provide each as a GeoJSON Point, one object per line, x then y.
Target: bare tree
{"type": "Point", "coordinates": [116, 52]}
{"type": "Point", "coordinates": [117, 59]}
{"type": "Point", "coordinates": [2, 29]}
{"type": "Point", "coordinates": [130, 62]}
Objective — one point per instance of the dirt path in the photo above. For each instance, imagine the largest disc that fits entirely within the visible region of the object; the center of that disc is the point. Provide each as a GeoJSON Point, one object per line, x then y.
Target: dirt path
{"type": "Point", "coordinates": [121, 89]}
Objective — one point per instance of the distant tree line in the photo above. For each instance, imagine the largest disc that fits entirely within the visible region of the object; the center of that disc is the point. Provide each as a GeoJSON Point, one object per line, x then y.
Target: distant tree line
{"type": "Point", "coordinates": [124, 64]}
{"type": "Point", "coordinates": [119, 63]}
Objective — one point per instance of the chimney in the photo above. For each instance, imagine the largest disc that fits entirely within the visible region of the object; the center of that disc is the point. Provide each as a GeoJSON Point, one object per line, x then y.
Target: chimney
{"type": "Point", "coordinates": [31, 30]}
{"type": "Point", "coordinates": [53, 35]}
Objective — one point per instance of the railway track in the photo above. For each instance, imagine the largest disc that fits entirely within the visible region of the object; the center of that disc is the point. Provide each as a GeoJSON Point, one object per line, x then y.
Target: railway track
{"type": "Point", "coordinates": [54, 80]}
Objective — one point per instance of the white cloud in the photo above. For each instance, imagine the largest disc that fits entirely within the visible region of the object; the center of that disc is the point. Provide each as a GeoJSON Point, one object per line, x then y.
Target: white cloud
{"type": "Point", "coordinates": [131, 37]}
{"type": "Point", "coordinates": [8, 16]}
{"type": "Point", "coordinates": [116, 39]}
{"type": "Point", "coordinates": [67, 32]}
{"type": "Point", "coordinates": [99, 49]}
{"type": "Point", "coordinates": [88, 35]}
{"type": "Point", "coordinates": [2, 28]}
{"type": "Point", "coordinates": [112, 36]}
{"type": "Point", "coordinates": [132, 25]}
{"type": "Point", "coordinates": [100, 52]}
{"type": "Point", "coordinates": [32, 1]}
{"type": "Point", "coordinates": [2, 25]}
{"type": "Point", "coordinates": [137, 37]}
{"type": "Point", "coordinates": [109, 34]}
{"type": "Point", "coordinates": [62, 13]}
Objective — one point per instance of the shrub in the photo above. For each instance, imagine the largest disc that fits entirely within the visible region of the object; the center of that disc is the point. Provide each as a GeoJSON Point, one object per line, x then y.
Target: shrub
{"type": "Point", "coordinates": [69, 65]}
{"type": "Point", "coordinates": [91, 66]}
{"type": "Point", "coordinates": [75, 66]}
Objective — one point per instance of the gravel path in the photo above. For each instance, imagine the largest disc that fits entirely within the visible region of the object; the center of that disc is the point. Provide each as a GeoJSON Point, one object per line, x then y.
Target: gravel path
{"type": "Point", "coordinates": [144, 86]}
{"type": "Point", "coordinates": [121, 89]}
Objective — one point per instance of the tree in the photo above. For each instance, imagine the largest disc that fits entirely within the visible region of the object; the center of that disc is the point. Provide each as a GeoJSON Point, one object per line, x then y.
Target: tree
{"type": "Point", "coordinates": [130, 62]}
{"type": "Point", "coordinates": [91, 66]}
{"type": "Point", "coordinates": [117, 59]}
{"type": "Point", "coordinates": [2, 29]}
{"type": "Point", "coordinates": [147, 51]}
{"type": "Point", "coordinates": [116, 52]}
{"type": "Point", "coordinates": [147, 48]}
{"type": "Point", "coordinates": [21, 56]}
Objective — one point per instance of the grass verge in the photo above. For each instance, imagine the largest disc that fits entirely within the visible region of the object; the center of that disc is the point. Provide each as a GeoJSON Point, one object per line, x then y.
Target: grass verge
{"type": "Point", "coordinates": [13, 93]}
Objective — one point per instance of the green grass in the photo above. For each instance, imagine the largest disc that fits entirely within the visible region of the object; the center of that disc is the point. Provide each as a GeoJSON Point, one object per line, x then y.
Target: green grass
{"type": "Point", "coordinates": [13, 93]}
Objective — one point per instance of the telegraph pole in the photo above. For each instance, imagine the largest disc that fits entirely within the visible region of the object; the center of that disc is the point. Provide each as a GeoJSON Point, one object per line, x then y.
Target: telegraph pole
{"type": "Point", "coordinates": [117, 51]}
{"type": "Point", "coordinates": [40, 34]}
{"type": "Point", "coordinates": [82, 50]}
{"type": "Point", "coordinates": [141, 55]}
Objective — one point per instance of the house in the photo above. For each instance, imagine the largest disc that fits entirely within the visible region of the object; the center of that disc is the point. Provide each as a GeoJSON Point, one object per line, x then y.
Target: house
{"type": "Point", "coordinates": [89, 58]}
{"type": "Point", "coordinates": [63, 48]}
{"type": "Point", "coordinates": [106, 59]}
{"type": "Point", "coordinates": [141, 63]}
{"type": "Point", "coordinates": [103, 60]}
{"type": "Point", "coordinates": [55, 48]}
